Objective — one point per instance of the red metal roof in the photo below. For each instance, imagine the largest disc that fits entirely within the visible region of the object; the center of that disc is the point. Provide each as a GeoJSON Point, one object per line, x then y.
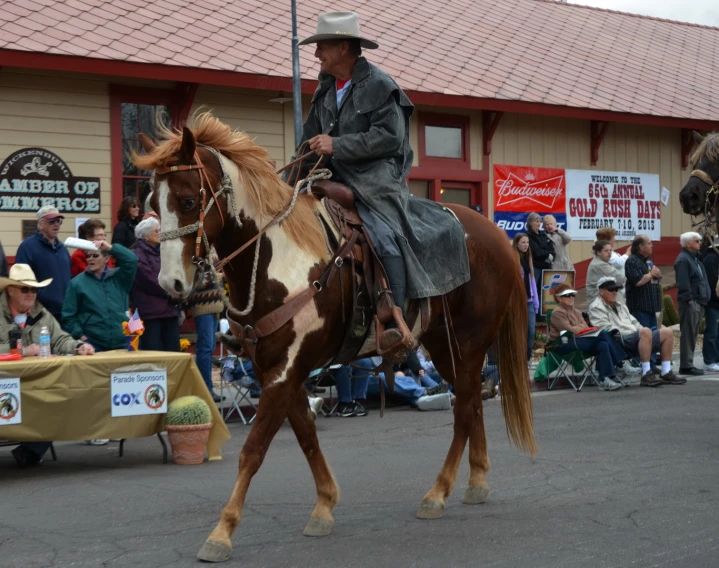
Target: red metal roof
{"type": "Point", "coordinates": [534, 51]}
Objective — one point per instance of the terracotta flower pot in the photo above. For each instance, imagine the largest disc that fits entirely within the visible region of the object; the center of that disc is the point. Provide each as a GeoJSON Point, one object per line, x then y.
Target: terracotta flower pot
{"type": "Point", "coordinates": [189, 442]}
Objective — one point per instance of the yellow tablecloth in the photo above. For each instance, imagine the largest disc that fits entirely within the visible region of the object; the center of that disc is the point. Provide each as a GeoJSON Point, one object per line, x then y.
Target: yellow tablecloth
{"type": "Point", "coordinates": [68, 398]}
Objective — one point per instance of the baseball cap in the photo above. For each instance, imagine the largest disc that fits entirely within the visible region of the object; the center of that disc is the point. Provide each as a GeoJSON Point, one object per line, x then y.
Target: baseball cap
{"type": "Point", "coordinates": [49, 212]}
{"type": "Point", "coordinates": [608, 283]}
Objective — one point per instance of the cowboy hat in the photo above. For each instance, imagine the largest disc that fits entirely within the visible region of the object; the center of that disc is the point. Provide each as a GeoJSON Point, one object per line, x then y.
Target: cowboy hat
{"type": "Point", "coordinates": [339, 25]}
{"type": "Point", "coordinates": [22, 275]}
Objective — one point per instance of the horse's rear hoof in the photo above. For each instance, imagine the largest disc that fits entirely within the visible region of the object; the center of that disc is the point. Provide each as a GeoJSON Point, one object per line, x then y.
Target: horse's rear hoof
{"type": "Point", "coordinates": [319, 527]}
{"type": "Point", "coordinates": [430, 510]}
{"type": "Point", "coordinates": [213, 551]}
{"type": "Point", "coordinates": [475, 494]}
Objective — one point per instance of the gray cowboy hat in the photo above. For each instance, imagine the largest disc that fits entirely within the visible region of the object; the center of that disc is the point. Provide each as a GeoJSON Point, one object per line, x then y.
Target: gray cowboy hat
{"type": "Point", "coordinates": [339, 25]}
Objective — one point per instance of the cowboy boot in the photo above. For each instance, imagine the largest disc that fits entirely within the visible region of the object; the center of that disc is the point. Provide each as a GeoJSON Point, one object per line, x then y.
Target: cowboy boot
{"type": "Point", "coordinates": [396, 338]}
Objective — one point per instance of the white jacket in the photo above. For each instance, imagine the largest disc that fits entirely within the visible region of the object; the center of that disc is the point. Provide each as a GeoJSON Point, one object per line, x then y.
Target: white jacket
{"type": "Point", "coordinates": [601, 315]}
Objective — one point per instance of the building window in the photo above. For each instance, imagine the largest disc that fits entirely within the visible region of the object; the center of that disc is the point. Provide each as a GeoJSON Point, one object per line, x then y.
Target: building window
{"type": "Point", "coordinates": [443, 141]}
{"type": "Point", "coordinates": [458, 195]}
{"type": "Point", "coordinates": [134, 110]}
{"type": "Point", "coordinates": [419, 188]}
{"type": "Point", "coordinates": [138, 118]}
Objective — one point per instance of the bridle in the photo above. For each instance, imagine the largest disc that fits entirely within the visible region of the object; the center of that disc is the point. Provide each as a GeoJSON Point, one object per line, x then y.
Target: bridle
{"type": "Point", "coordinates": [202, 264]}
{"type": "Point", "coordinates": [710, 201]}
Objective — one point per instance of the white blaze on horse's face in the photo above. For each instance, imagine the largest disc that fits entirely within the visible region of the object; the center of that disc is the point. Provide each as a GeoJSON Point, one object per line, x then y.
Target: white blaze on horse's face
{"type": "Point", "coordinates": [175, 277]}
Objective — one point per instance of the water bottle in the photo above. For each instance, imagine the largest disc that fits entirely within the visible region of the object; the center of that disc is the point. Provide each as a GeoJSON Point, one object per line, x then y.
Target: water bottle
{"type": "Point", "coordinates": [650, 265]}
{"type": "Point", "coordinates": [44, 342]}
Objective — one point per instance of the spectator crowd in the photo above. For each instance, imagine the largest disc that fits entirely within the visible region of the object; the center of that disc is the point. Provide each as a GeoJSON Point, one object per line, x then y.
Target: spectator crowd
{"type": "Point", "coordinates": [84, 298]}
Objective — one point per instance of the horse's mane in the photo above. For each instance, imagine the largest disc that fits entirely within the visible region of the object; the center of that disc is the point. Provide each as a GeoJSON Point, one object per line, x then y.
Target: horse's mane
{"type": "Point", "coordinates": [709, 147]}
{"type": "Point", "coordinates": [268, 193]}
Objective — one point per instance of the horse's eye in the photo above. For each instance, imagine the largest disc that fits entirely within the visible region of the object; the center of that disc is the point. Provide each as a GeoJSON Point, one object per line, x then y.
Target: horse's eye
{"type": "Point", "coordinates": [188, 204]}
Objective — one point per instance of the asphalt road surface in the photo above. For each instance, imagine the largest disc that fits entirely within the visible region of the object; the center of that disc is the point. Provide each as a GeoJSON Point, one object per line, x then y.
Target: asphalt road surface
{"type": "Point", "coordinates": [623, 479]}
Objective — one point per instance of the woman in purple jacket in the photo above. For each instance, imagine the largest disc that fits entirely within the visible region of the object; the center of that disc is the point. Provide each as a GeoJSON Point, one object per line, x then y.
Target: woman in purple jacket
{"type": "Point", "coordinates": [157, 310]}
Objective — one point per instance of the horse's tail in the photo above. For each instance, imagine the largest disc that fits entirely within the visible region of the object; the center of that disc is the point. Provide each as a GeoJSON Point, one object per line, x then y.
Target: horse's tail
{"type": "Point", "coordinates": [513, 370]}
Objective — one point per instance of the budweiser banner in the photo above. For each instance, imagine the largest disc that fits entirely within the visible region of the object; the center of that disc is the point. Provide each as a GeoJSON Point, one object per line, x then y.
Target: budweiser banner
{"type": "Point", "coordinates": [627, 202]}
{"type": "Point", "coordinates": [32, 178]}
{"type": "Point", "coordinates": [582, 201]}
{"type": "Point", "coordinates": [519, 191]}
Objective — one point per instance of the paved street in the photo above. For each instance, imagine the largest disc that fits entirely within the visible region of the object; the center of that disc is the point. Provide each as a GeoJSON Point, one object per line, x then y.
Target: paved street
{"type": "Point", "coordinates": [622, 479]}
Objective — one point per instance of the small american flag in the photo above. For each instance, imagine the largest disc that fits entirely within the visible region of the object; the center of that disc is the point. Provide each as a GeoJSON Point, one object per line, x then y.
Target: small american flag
{"type": "Point", "coordinates": [135, 323]}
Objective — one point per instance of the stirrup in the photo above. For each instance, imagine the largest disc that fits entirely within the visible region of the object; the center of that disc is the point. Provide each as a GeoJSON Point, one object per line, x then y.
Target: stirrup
{"type": "Point", "coordinates": [399, 339]}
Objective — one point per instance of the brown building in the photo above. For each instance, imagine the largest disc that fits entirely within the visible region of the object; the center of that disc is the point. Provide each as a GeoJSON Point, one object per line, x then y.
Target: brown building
{"type": "Point", "coordinates": [519, 82]}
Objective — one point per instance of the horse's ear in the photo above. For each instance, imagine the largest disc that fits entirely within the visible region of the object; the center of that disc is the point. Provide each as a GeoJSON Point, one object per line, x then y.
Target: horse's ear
{"type": "Point", "coordinates": [147, 143]}
{"type": "Point", "coordinates": [698, 138]}
{"type": "Point", "coordinates": [188, 146]}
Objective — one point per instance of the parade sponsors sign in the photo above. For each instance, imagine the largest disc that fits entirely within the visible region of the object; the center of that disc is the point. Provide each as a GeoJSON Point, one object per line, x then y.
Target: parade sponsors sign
{"type": "Point", "coordinates": [520, 190]}
{"type": "Point", "coordinates": [32, 178]}
{"type": "Point", "coordinates": [628, 202]}
{"type": "Point", "coordinates": [143, 392]}
{"type": "Point", "coordinates": [550, 280]}
{"type": "Point", "coordinates": [10, 406]}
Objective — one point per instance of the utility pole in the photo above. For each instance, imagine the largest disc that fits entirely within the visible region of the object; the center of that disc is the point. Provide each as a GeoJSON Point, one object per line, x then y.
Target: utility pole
{"type": "Point", "coordinates": [296, 86]}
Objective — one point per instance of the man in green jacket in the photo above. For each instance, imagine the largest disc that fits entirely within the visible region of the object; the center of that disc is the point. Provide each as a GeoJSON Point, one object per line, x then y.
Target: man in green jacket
{"type": "Point", "coordinates": [97, 300]}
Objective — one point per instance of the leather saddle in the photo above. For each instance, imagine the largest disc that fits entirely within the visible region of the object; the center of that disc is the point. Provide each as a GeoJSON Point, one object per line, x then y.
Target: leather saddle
{"type": "Point", "coordinates": [371, 294]}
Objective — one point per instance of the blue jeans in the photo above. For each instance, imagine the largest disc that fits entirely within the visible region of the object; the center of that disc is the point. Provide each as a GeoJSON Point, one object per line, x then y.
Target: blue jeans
{"type": "Point", "coordinates": [532, 320]}
{"type": "Point", "coordinates": [491, 372]}
{"type": "Point", "coordinates": [351, 383]}
{"type": "Point", "coordinates": [608, 352]}
{"type": "Point", "coordinates": [404, 387]}
{"type": "Point", "coordinates": [205, 327]}
{"type": "Point", "coordinates": [710, 351]}
{"type": "Point", "coordinates": [429, 380]}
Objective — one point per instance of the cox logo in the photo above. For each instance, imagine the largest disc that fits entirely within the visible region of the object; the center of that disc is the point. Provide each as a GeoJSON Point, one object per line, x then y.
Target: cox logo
{"type": "Point", "coordinates": [127, 399]}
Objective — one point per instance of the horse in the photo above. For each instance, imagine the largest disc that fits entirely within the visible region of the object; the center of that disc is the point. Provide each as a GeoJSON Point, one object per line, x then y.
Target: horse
{"type": "Point", "coordinates": [215, 187]}
{"type": "Point", "coordinates": [699, 194]}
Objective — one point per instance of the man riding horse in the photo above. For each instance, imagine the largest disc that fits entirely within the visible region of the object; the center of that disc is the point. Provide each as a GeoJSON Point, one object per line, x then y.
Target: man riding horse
{"type": "Point", "coordinates": [359, 122]}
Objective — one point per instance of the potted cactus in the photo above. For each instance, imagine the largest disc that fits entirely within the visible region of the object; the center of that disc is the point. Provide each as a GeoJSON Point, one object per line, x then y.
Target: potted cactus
{"type": "Point", "coordinates": [188, 422]}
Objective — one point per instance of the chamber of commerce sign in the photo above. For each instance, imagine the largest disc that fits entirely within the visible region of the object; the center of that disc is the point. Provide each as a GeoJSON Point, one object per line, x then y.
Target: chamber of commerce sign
{"type": "Point", "coordinates": [581, 200]}
{"type": "Point", "coordinates": [32, 178]}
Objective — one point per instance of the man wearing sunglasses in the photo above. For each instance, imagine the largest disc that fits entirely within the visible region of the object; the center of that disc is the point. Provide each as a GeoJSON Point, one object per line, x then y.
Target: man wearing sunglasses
{"type": "Point", "coordinates": [48, 258]}
{"type": "Point", "coordinates": [638, 341]}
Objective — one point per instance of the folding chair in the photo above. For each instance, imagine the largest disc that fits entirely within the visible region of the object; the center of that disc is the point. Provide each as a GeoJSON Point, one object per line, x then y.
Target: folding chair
{"type": "Point", "coordinates": [567, 365]}
{"type": "Point", "coordinates": [239, 390]}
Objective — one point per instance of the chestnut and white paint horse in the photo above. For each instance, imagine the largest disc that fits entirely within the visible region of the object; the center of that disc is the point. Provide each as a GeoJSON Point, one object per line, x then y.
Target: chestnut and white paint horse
{"type": "Point", "coordinates": [210, 174]}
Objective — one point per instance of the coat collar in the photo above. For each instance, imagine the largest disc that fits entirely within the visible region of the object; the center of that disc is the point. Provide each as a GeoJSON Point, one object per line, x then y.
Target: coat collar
{"type": "Point", "coordinates": [360, 73]}
{"type": "Point", "coordinates": [35, 311]}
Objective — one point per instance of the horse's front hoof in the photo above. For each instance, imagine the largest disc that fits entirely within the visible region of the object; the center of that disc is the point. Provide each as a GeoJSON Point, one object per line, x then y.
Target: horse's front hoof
{"type": "Point", "coordinates": [475, 494]}
{"type": "Point", "coordinates": [319, 527]}
{"type": "Point", "coordinates": [213, 551]}
{"type": "Point", "coordinates": [430, 510]}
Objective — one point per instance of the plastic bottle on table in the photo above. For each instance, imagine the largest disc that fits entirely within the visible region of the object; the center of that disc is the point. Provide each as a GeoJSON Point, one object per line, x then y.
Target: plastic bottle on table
{"type": "Point", "coordinates": [44, 342]}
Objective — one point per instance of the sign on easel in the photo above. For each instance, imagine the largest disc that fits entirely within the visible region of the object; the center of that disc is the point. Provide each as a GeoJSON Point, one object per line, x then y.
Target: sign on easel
{"type": "Point", "coordinates": [134, 394]}
{"type": "Point", "coordinates": [10, 402]}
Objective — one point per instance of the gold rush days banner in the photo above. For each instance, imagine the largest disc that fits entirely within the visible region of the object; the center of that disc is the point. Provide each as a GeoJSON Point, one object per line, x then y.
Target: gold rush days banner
{"type": "Point", "coordinates": [627, 202]}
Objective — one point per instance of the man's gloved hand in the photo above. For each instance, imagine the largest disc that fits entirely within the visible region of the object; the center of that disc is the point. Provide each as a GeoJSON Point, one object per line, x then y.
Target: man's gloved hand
{"type": "Point", "coordinates": [550, 258]}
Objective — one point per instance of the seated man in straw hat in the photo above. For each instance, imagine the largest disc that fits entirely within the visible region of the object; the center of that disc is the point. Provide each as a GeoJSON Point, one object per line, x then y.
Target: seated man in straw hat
{"type": "Point", "coordinates": [20, 311]}
{"type": "Point", "coordinates": [359, 123]}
